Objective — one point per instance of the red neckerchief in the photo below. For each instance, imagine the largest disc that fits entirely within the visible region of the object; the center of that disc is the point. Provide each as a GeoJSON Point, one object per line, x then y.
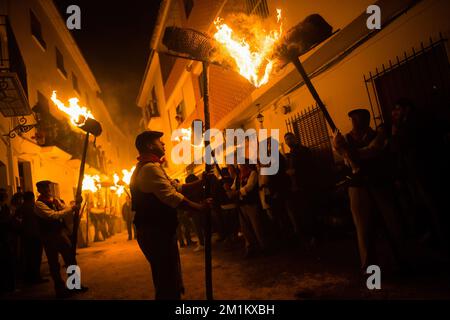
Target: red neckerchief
{"type": "Point", "coordinates": [150, 158]}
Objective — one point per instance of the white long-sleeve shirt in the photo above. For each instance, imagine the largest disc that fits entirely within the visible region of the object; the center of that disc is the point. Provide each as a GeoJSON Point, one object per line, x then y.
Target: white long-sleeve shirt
{"type": "Point", "coordinates": [152, 178]}
{"type": "Point", "coordinates": [250, 185]}
{"type": "Point", "coordinates": [44, 211]}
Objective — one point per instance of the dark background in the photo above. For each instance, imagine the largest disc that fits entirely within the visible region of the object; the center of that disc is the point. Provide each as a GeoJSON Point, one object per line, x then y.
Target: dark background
{"type": "Point", "coordinates": [115, 41]}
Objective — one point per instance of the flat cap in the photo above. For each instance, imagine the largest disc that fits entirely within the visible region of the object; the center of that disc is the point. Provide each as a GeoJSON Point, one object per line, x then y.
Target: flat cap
{"type": "Point", "coordinates": [363, 112]}
{"type": "Point", "coordinates": [43, 183]}
{"type": "Point", "coordinates": [143, 138]}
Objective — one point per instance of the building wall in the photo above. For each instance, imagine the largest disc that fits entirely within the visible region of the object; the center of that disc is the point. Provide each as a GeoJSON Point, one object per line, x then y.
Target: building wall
{"type": "Point", "coordinates": [341, 87]}
{"type": "Point", "coordinates": [43, 76]}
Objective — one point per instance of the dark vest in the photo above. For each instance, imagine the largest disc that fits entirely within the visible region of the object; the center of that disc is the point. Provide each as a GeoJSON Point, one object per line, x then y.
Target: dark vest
{"type": "Point", "coordinates": [48, 226]}
{"type": "Point", "coordinates": [376, 170]}
{"type": "Point", "coordinates": [151, 213]}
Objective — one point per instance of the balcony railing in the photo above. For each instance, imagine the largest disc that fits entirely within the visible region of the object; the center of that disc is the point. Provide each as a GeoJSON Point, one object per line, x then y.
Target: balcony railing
{"type": "Point", "coordinates": [53, 132]}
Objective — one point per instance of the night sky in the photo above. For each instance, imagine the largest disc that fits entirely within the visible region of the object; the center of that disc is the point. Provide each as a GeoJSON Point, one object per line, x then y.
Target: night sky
{"type": "Point", "coordinates": [115, 41]}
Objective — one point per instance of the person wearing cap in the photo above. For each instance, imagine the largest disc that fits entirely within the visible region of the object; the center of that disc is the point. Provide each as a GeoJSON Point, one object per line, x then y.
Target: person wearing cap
{"type": "Point", "coordinates": [370, 187]}
{"type": "Point", "coordinates": [55, 236]}
{"type": "Point", "coordinates": [300, 169]}
{"type": "Point", "coordinates": [155, 198]}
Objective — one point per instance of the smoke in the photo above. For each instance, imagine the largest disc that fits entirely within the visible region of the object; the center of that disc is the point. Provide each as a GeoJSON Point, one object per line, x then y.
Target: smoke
{"type": "Point", "coordinates": [120, 100]}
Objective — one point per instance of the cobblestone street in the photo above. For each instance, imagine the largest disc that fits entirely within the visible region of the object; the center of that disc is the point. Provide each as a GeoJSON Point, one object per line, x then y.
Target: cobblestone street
{"type": "Point", "coordinates": [116, 269]}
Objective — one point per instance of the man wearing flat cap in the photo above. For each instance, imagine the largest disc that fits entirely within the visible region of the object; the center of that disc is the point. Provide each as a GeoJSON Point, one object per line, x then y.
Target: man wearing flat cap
{"type": "Point", "coordinates": [155, 199]}
{"type": "Point", "coordinates": [55, 236]}
{"type": "Point", "coordinates": [371, 186]}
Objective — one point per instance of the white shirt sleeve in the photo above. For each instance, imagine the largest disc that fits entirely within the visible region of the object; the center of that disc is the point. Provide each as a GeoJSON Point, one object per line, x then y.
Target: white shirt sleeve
{"type": "Point", "coordinates": [44, 211]}
{"type": "Point", "coordinates": [152, 179]}
{"type": "Point", "coordinates": [251, 183]}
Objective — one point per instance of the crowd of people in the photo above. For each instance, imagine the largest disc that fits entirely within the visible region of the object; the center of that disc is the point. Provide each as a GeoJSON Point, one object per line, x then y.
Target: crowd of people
{"type": "Point", "coordinates": [396, 186]}
{"type": "Point", "coordinates": [396, 177]}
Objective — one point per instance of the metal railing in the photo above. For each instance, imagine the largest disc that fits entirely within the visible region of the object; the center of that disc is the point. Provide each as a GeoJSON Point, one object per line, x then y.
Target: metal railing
{"type": "Point", "coordinates": [422, 75]}
{"type": "Point", "coordinates": [310, 128]}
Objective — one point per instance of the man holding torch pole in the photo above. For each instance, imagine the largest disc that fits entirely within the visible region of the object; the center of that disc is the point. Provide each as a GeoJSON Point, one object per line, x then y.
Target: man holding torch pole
{"type": "Point", "coordinates": [155, 198]}
{"type": "Point", "coordinates": [55, 236]}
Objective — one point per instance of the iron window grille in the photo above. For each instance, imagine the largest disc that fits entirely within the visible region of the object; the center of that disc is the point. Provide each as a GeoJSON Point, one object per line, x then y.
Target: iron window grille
{"type": "Point", "coordinates": [13, 100]}
{"type": "Point", "coordinates": [422, 75]}
{"type": "Point", "coordinates": [310, 128]}
{"type": "Point", "coordinates": [257, 7]}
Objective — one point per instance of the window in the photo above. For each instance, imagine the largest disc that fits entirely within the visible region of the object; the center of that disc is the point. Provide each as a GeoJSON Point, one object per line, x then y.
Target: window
{"type": "Point", "coordinates": [422, 76]}
{"type": "Point", "coordinates": [75, 83]}
{"type": "Point", "coordinates": [36, 30]}
{"type": "Point", "coordinates": [152, 106]}
{"type": "Point", "coordinates": [180, 112]}
{"type": "Point", "coordinates": [25, 176]}
{"type": "Point", "coordinates": [166, 63]}
{"type": "Point", "coordinates": [258, 7]}
{"type": "Point", "coordinates": [310, 128]}
{"type": "Point", "coordinates": [188, 5]}
{"type": "Point", "coordinates": [60, 62]}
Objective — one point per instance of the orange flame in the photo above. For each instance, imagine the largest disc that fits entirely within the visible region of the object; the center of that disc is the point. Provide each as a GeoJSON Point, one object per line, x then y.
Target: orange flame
{"type": "Point", "coordinates": [77, 113]}
{"type": "Point", "coordinates": [127, 175]}
{"type": "Point", "coordinates": [90, 183]}
{"type": "Point", "coordinates": [251, 55]}
{"type": "Point", "coordinates": [186, 135]}
{"type": "Point", "coordinates": [116, 178]}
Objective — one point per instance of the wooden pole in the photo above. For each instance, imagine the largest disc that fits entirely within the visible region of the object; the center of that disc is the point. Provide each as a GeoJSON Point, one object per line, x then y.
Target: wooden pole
{"type": "Point", "coordinates": [86, 204]}
{"type": "Point", "coordinates": [298, 65]}
{"type": "Point", "coordinates": [208, 255]}
{"type": "Point", "coordinates": [78, 197]}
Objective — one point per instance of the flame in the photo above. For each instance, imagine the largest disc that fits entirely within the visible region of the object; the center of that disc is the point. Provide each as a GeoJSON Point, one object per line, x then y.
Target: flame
{"type": "Point", "coordinates": [186, 135]}
{"type": "Point", "coordinates": [251, 54]}
{"type": "Point", "coordinates": [90, 183]}
{"type": "Point", "coordinates": [127, 175]}
{"type": "Point", "coordinates": [120, 190]}
{"type": "Point", "coordinates": [78, 115]}
{"type": "Point", "coordinates": [116, 178]}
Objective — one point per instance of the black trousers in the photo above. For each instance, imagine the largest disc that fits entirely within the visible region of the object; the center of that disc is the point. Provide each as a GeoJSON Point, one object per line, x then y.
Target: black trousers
{"type": "Point", "coordinates": [7, 267]}
{"type": "Point", "coordinates": [55, 244]}
{"type": "Point", "coordinates": [131, 228]}
{"type": "Point", "coordinates": [161, 250]}
{"type": "Point", "coordinates": [33, 250]}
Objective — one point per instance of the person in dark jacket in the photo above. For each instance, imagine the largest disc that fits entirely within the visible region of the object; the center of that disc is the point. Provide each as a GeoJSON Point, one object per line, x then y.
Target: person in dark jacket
{"type": "Point", "coordinates": [418, 143]}
{"type": "Point", "coordinates": [371, 189]}
{"type": "Point", "coordinates": [32, 243]}
{"type": "Point", "coordinates": [300, 170]}
{"type": "Point", "coordinates": [7, 258]}
{"type": "Point", "coordinates": [128, 217]}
